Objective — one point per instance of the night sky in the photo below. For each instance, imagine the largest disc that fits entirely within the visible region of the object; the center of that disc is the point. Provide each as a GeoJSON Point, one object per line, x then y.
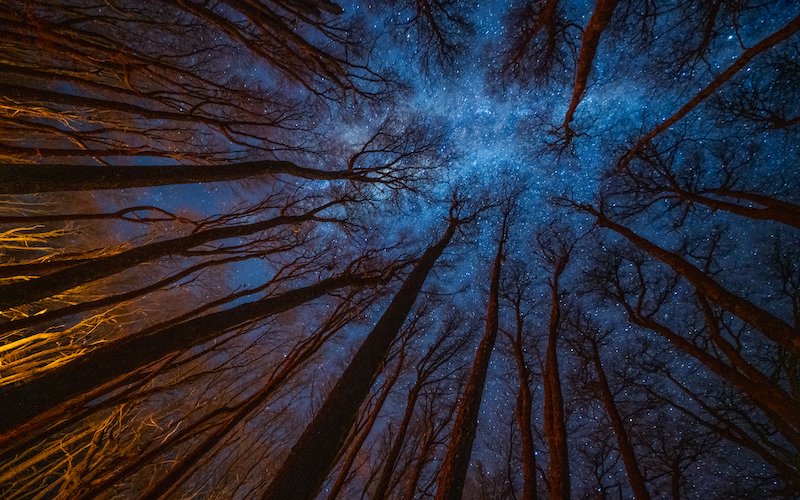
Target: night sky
{"type": "Point", "coordinates": [685, 139]}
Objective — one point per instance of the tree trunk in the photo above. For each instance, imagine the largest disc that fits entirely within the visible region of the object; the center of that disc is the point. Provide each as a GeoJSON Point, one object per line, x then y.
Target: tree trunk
{"type": "Point", "coordinates": [774, 211]}
{"type": "Point", "coordinates": [765, 44]}
{"type": "Point", "coordinates": [355, 447]}
{"type": "Point", "coordinates": [675, 481]}
{"type": "Point", "coordinates": [382, 489]}
{"type": "Point", "coordinates": [590, 39]}
{"type": "Point", "coordinates": [308, 463]}
{"type": "Point", "coordinates": [523, 413]}
{"type": "Point", "coordinates": [555, 429]}
{"type": "Point", "coordinates": [22, 179]}
{"type": "Point", "coordinates": [53, 314]}
{"type": "Point", "coordinates": [24, 292]}
{"type": "Point", "coordinates": [623, 440]}
{"type": "Point", "coordinates": [771, 326]}
{"type": "Point", "coordinates": [20, 404]}
{"type": "Point", "coordinates": [453, 471]}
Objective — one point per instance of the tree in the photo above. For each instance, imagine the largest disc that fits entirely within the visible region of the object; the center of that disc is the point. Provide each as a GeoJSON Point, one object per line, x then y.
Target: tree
{"type": "Point", "coordinates": [555, 244]}
{"type": "Point", "coordinates": [516, 291]}
{"type": "Point", "coordinates": [453, 471]}
{"type": "Point", "coordinates": [590, 339]}
{"type": "Point", "coordinates": [309, 461]}
{"type": "Point", "coordinates": [430, 370]}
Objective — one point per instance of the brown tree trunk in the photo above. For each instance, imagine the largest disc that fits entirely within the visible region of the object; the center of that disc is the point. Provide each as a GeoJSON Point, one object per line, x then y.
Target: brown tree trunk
{"type": "Point", "coordinates": [453, 471]}
{"type": "Point", "coordinates": [308, 463]}
{"type": "Point", "coordinates": [382, 489]}
{"type": "Point", "coordinates": [363, 433]}
{"type": "Point", "coordinates": [24, 292]}
{"type": "Point", "coordinates": [765, 44]}
{"type": "Point", "coordinates": [771, 326]}
{"type": "Point", "coordinates": [523, 413]}
{"type": "Point", "coordinates": [632, 469]}
{"type": "Point", "coordinates": [776, 211]}
{"type": "Point", "coordinates": [590, 39]}
{"type": "Point", "coordinates": [22, 403]}
{"type": "Point", "coordinates": [21, 179]}
{"type": "Point", "coordinates": [555, 429]}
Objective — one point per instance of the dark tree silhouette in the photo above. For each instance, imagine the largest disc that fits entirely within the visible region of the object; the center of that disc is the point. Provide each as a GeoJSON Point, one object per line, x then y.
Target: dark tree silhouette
{"type": "Point", "coordinates": [309, 461]}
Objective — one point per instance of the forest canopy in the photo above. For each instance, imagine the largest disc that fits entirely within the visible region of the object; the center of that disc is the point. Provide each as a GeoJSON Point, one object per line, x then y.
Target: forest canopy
{"type": "Point", "coordinates": [407, 249]}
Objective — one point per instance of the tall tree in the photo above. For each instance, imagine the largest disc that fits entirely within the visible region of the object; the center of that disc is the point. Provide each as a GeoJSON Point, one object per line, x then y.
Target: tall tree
{"type": "Point", "coordinates": [130, 354]}
{"type": "Point", "coordinates": [309, 461]}
{"type": "Point", "coordinates": [516, 291]}
{"type": "Point", "coordinates": [453, 471]}
{"type": "Point", "coordinates": [555, 244]}
{"type": "Point", "coordinates": [591, 338]}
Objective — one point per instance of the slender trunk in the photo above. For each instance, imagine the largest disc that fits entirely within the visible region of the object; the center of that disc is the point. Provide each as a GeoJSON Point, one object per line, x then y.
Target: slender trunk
{"type": "Point", "coordinates": [453, 471]}
{"type": "Point", "coordinates": [364, 431]}
{"type": "Point", "coordinates": [523, 413]}
{"type": "Point", "coordinates": [767, 212]}
{"type": "Point", "coordinates": [308, 463]}
{"type": "Point", "coordinates": [555, 429]}
{"type": "Point", "coordinates": [675, 481]}
{"type": "Point", "coordinates": [51, 315]}
{"type": "Point", "coordinates": [590, 39]}
{"type": "Point", "coordinates": [382, 489]}
{"type": "Point", "coordinates": [623, 440]}
{"type": "Point", "coordinates": [115, 359]}
{"type": "Point", "coordinates": [24, 292]}
{"type": "Point", "coordinates": [21, 179]}
{"type": "Point", "coordinates": [765, 44]}
{"type": "Point", "coordinates": [771, 326]}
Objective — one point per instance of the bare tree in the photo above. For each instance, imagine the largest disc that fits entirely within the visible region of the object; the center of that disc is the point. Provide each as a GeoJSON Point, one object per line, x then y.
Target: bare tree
{"type": "Point", "coordinates": [453, 471]}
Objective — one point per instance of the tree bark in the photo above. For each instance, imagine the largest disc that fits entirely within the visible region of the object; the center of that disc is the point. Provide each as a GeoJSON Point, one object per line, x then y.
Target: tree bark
{"type": "Point", "coordinates": [632, 469]}
{"type": "Point", "coordinates": [115, 359]}
{"type": "Point", "coordinates": [523, 412]}
{"type": "Point", "coordinates": [453, 471]}
{"type": "Point", "coordinates": [308, 463]}
{"type": "Point", "coordinates": [770, 326]}
{"type": "Point", "coordinates": [23, 179]}
{"type": "Point", "coordinates": [24, 292]}
{"type": "Point", "coordinates": [773, 210]}
{"type": "Point", "coordinates": [555, 429]}
{"type": "Point", "coordinates": [590, 39]}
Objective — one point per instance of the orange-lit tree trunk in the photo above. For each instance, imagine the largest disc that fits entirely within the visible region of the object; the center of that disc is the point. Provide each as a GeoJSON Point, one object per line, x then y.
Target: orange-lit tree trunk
{"type": "Point", "coordinates": [453, 471]}
{"type": "Point", "coordinates": [24, 292]}
{"type": "Point", "coordinates": [20, 404]}
{"type": "Point", "coordinates": [311, 458]}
